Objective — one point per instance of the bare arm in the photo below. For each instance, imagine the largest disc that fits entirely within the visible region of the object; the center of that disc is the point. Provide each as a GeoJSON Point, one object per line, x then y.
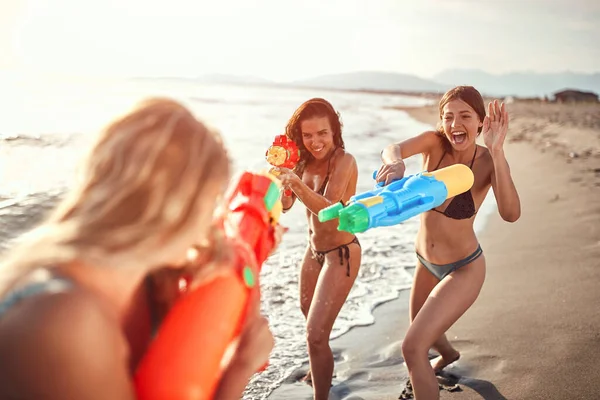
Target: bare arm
{"type": "Point", "coordinates": [64, 346]}
{"type": "Point", "coordinates": [495, 128]}
{"type": "Point", "coordinates": [419, 144]}
{"type": "Point", "coordinates": [234, 381]}
{"type": "Point", "coordinates": [507, 198]}
{"type": "Point", "coordinates": [252, 352]}
{"type": "Point", "coordinates": [287, 202]}
{"type": "Point", "coordinates": [344, 168]}
{"type": "Point", "coordinates": [393, 155]}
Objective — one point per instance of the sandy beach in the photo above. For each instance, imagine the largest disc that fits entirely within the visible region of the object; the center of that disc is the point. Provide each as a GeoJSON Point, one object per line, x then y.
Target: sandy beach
{"type": "Point", "coordinates": [534, 331]}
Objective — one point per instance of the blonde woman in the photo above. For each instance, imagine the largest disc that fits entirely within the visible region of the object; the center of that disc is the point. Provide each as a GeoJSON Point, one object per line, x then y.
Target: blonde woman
{"type": "Point", "coordinates": [76, 313]}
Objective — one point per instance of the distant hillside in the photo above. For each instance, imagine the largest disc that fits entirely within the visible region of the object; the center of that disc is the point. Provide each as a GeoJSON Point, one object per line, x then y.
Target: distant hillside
{"type": "Point", "coordinates": [522, 84]}
{"type": "Point", "coordinates": [368, 80]}
{"type": "Point", "coordinates": [233, 79]}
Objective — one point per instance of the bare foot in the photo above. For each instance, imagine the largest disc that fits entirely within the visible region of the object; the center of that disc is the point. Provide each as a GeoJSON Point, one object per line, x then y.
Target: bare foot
{"type": "Point", "coordinates": [307, 379]}
{"type": "Point", "coordinates": [441, 362]}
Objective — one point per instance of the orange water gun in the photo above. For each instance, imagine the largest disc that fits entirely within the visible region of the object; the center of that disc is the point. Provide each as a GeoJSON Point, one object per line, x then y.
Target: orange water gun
{"type": "Point", "coordinates": [184, 360]}
{"type": "Point", "coordinates": [283, 153]}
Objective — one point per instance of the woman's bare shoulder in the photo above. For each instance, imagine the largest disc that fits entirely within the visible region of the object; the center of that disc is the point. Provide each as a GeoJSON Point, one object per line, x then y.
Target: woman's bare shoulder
{"type": "Point", "coordinates": [344, 158]}
{"type": "Point", "coordinates": [430, 134]}
{"type": "Point", "coordinates": [72, 329]}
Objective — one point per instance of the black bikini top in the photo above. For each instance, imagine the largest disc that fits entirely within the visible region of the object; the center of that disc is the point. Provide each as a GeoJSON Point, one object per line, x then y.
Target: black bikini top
{"type": "Point", "coordinates": [321, 190]}
{"type": "Point", "coordinates": [462, 206]}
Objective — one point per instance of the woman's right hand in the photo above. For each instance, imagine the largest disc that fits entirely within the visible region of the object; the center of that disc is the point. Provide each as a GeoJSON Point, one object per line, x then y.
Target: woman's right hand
{"type": "Point", "coordinates": [388, 173]}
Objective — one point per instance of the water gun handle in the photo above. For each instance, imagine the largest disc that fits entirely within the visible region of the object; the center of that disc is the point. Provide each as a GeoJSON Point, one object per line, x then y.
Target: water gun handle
{"type": "Point", "coordinates": [184, 360]}
{"type": "Point", "coordinates": [283, 153]}
{"type": "Point", "coordinates": [382, 184]}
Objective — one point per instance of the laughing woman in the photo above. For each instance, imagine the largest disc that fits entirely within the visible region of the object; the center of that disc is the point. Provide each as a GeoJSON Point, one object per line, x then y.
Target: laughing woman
{"type": "Point", "coordinates": [451, 266]}
{"type": "Point", "coordinates": [325, 175]}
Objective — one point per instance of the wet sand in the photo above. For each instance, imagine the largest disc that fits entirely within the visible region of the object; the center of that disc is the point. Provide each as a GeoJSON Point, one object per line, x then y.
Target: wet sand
{"type": "Point", "coordinates": [534, 331]}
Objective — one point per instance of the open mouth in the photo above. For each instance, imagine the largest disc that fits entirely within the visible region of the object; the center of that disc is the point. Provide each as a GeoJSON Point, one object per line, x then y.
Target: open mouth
{"type": "Point", "coordinates": [459, 137]}
{"type": "Point", "coordinates": [317, 149]}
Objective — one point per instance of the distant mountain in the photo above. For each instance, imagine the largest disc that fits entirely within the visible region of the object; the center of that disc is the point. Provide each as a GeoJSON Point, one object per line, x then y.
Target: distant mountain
{"type": "Point", "coordinates": [370, 80]}
{"type": "Point", "coordinates": [233, 79]}
{"type": "Point", "coordinates": [523, 84]}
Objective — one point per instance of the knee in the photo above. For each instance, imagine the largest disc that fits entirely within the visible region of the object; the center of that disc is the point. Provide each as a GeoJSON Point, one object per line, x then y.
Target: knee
{"type": "Point", "coordinates": [316, 338]}
{"type": "Point", "coordinates": [413, 349]}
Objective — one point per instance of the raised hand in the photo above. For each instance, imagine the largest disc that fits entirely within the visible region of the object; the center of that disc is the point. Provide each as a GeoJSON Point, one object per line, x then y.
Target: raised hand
{"type": "Point", "coordinates": [495, 126]}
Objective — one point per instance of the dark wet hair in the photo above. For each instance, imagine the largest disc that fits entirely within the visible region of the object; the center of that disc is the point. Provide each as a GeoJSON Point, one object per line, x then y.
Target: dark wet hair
{"type": "Point", "coordinates": [313, 108]}
{"type": "Point", "coordinates": [469, 95]}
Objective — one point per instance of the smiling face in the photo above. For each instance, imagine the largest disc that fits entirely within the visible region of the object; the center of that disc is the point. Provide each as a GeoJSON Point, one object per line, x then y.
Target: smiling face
{"type": "Point", "coordinates": [460, 123]}
{"type": "Point", "coordinates": [317, 136]}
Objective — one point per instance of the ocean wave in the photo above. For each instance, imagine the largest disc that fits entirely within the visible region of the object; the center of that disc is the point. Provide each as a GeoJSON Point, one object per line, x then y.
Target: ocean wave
{"type": "Point", "coordinates": [387, 258]}
{"type": "Point", "coordinates": [45, 140]}
{"type": "Point", "coordinates": [19, 215]}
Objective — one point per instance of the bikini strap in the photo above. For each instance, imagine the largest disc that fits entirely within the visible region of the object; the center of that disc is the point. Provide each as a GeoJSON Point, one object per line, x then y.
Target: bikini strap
{"type": "Point", "coordinates": [473, 160]}
{"type": "Point", "coordinates": [321, 190]}
{"type": "Point", "coordinates": [440, 162]}
{"type": "Point", "coordinates": [344, 254]}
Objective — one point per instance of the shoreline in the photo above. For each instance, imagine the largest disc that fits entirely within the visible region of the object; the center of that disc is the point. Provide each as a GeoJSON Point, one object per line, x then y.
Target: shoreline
{"type": "Point", "coordinates": [532, 333]}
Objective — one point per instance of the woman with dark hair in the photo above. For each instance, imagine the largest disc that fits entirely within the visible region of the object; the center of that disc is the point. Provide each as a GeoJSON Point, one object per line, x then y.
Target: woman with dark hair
{"type": "Point", "coordinates": [326, 174]}
{"type": "Point", "coordinates": [451, 266]}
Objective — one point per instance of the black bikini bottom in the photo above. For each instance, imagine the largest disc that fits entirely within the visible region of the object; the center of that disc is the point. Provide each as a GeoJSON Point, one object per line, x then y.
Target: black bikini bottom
{"type": "Point", "coordinates": [343, 251]}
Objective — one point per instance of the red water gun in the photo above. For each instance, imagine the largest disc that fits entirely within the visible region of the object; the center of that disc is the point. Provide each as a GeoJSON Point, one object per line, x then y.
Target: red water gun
{"type": "Point", "coordinates": [283, 153]}
{"type": "Point", "coordinates": [184, 360]}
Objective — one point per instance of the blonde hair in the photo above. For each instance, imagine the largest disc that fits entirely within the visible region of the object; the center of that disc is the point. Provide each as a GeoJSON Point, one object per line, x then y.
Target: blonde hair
{"type": "Point", "coordinates": [150, 176]}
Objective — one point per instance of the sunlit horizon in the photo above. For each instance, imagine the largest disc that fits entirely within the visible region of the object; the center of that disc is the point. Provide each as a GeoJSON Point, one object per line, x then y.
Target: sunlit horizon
{"type": "Point", "coordinates": [283, 41]}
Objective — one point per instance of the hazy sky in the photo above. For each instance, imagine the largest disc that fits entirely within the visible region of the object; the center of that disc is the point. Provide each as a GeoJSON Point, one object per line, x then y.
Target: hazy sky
{"type": "Point", "coordinates": [284, 39]}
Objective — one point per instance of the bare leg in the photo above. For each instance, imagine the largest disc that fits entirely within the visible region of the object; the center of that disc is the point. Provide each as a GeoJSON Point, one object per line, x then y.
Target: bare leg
{"type": "Point", "coordinates": [423, 283]}
{"type": "Point", "coordinates": [445, 304]}
{"type": "Point", "coordinates": [330, 294]}
{"type": "Point", "coordinates": [309, 275]}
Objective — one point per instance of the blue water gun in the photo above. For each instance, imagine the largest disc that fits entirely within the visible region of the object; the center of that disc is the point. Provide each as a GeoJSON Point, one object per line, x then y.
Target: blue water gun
{"type": "Point", "coordinates": [400, 200]}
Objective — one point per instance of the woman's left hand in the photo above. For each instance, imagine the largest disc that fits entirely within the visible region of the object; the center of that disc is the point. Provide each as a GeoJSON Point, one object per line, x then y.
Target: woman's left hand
{"type": "Point", "coordinates": [495, 126]}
